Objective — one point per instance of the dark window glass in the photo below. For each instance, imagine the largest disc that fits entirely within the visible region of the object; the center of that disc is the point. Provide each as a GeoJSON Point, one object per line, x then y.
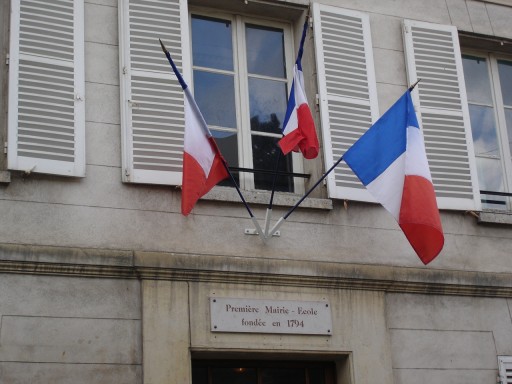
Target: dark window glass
{"type": "Point", "coordinates": [265, 152]}
{"type": "Point", "coordinates": [261, 372]}
{"type": "Point", "coordinates": [234, 375]}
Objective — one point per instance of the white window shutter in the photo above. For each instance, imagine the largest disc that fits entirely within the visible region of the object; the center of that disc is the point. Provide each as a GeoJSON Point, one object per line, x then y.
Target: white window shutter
{"type": "Point", "coordinates": [152, 104]}
{"type": "Point", "coordinates": [505, 365]}
{"type": "Point", "coordinates": [433, 55]}
{"type": "Point", "coordinates": [348, 96]}
{"type": "Point", "coordinates": [46, 123]}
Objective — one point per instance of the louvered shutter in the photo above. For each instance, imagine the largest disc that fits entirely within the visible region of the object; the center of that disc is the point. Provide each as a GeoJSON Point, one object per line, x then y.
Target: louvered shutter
{"type": "Point", "coordinates": [46, 123]}
{"type": "Point", "coordinates": [152, 106]}
{"type": "Point", "coordinates": [348, 96]}
{"type": "Point", "coordinates": [433, 55]}
{"type": "Point", "coordinates": [505, 363]}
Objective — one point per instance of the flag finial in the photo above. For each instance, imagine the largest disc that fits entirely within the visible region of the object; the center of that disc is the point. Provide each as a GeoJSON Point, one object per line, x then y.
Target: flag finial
{"type": "Point", "coordinates": [414, 85]}
{"type": "Point", "coordinates": [163, 46]}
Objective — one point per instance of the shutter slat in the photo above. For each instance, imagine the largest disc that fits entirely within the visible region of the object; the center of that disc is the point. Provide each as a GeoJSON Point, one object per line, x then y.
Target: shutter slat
{"type": "Point", "coordinates": [433, 55]}
{"type": "Point", "coordinates": [348, 98]}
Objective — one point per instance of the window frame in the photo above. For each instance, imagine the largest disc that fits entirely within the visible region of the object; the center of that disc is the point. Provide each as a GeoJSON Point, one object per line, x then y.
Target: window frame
{"type": "Point", "coordinates": [241, 77]}
{"type": "Point", "coordinates": [505, 157]}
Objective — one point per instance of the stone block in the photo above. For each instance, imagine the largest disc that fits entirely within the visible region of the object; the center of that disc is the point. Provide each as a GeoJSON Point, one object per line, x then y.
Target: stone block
{"type": "Point", "coordinates": [31, 373]}
{"type": "Point", "coordinates": [420, 349]}
{"type": "Point", "coordinates": [47, 296]}
{"type": "Point", "coordinates": [70, 340]}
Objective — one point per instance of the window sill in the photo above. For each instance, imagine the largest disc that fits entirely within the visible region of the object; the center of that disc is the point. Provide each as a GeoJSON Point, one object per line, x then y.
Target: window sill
{"type": "Point", "coordinates": [263, 197]}
{"type": "Point", "coordinates": [495, 217]}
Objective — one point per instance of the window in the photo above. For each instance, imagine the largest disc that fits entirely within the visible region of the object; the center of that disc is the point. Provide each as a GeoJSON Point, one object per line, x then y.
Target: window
{"type": "Point", "coordinates": [231, 58]}
{"type": "Point", "coordinates": [240, 75]}
{"type": "Point", "coordinates": [489, 88]}
{"type": "Point", "coordinates": [255, 372]}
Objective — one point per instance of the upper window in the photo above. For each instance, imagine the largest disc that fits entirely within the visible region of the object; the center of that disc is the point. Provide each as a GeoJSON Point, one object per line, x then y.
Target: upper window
{"type": "Point", "coordinates": [241, 70]}
{"type": "Point", "coordinates": [489, 89]}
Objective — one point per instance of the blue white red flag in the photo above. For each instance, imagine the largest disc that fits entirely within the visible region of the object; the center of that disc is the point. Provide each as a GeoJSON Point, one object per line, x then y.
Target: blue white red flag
{"type": "Point", "coordinates": [390, 160]}
{"type": "Point", "coordinates": [203, 164]}
{"type": "Point", "coordinates": [298, 127]}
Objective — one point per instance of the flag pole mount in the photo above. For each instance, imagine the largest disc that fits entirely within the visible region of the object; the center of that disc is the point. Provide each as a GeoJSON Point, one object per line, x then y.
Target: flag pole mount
{"type": "Point", "coordinates": [252, 231]}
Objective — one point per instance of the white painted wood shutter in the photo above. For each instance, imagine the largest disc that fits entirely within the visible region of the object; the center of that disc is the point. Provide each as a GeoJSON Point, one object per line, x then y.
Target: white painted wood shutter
{"type": "Point", "coordinates": [505, 365]}
{"type": "Point", "coordinates": [152, 104]}
{"type": "Point", "coordinates": [348, 96]}
{"type": "Point", "coordinates": [46, 122]}
{"type": "Point", "coordinates": [433, 55]}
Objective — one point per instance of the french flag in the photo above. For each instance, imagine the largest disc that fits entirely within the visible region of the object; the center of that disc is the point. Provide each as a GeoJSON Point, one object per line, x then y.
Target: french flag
{"type": "Point", "coordinates": [203, 164]}
{"type": "Point", "coordinates": [390, 160]}
{"type": "Point", "coordinates": [298, 127]}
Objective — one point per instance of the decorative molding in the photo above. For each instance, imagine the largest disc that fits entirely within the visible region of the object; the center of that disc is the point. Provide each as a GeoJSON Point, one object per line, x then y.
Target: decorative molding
{"type": "Point", "coordinates": [122, 264]}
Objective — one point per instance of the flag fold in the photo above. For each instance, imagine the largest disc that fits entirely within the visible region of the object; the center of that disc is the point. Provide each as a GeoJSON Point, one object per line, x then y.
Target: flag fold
{"type": "Point", "coordinates": [203, 164]}
{"type": "Point", "coordinates": [299, 132]}
{"type": "Point", "coordinates": [390, 160]}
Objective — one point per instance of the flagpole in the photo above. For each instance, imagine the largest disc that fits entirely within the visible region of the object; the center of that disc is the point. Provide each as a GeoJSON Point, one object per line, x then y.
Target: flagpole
{"type": "Point", "coordinates": [214, 145]}
{"type": "Point", "coordinates": [297, 62]}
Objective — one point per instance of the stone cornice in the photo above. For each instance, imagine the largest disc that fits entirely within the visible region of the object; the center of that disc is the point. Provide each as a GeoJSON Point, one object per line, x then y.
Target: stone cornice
{"type": "Point", "coordinates": [80, 262]}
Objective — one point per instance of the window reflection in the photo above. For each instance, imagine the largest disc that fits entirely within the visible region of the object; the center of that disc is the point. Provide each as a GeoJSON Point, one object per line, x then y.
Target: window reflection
{"type": "Point", "coordinates": [215, 96]}
{"type": "Point", "coordinates": [490, 177]}
{"type": "Point", "coordinates": [265, 51]}
{"type": "Point", "coordinates": [478, 84]}
{"type": "Point", "coordinates": [505, 73]}
{"type": "Point", "coordinates": [212, 43]}
{"type": "Point", "coordinates": [508, 120]}
{"type": "Point", "coordinates": [267, 104]}
{"type": "Point", "coordinates": [483, 127]}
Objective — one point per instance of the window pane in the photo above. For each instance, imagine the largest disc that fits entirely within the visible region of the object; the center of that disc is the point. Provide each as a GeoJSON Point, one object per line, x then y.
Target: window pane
{"type": "Point", "coordinates": [215, 96]}
{"type": "Point", "coordinates": [508, 119]}
{"type": "Point", "coordinates": [490, 177]}
{"type": "Point", "coordinates": [235, 375]}
{"type": "Point", "coordinates": [264, 152]}
{"type": "Point", "coordinates": [212, 43]}
{"type": "Point", "coordinates": [228, 146]}
{"type": "Point", "coordinates": [476, 74]}
{"type": "Point", "coordinates": [199, 374]}
{"type": "Point", "coordinates": [484, 130]}
{"type": "Point", "coordinates": [267, 104]}
{"type": "Point", "coordinates": [505, 73]}
{"type": "Point", "coordinates": [265, 51]}
{"type": "Point", "coordinates": [316, 376]}
{"type": "Point", "coordinates": [283, 376]}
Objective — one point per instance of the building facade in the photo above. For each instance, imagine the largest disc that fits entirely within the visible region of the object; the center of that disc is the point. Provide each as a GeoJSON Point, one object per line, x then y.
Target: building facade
{"type": "Point", "coordinates": [103, 280]}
